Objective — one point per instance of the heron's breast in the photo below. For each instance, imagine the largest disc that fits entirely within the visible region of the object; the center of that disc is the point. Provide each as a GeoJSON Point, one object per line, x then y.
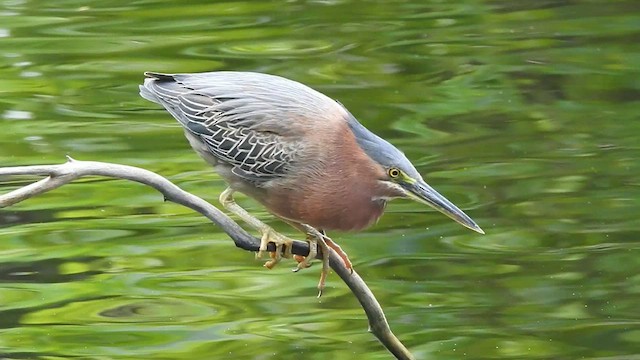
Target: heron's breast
{"type": "Point", "coordinates": [337, 188]}
{"type": "Point", "coordinates": [329, 208]}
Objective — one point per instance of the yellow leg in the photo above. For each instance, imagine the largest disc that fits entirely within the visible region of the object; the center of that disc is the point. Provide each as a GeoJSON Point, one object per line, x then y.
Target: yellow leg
{"type": "Point", "coordinates": [268, 234]}
{"type": "Point", "coordinates": [314, 237]}
{"type": "Point", "coordinates": [317, 238]}
{"type": "Point", "coordinates": [340, 252]}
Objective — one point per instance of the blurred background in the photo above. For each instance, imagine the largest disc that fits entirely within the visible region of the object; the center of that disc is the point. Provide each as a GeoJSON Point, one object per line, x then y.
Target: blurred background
{"type": "Point", "coordinates": [524, 113]}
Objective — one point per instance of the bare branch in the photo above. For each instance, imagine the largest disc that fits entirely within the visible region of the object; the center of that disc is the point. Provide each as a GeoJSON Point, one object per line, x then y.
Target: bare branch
{"type": "Point", "coordinates": [59, 175]}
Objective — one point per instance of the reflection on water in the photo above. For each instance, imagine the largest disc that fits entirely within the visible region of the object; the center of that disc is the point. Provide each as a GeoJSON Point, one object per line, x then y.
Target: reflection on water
{"type": "Point", "coordinates": [523, 113]}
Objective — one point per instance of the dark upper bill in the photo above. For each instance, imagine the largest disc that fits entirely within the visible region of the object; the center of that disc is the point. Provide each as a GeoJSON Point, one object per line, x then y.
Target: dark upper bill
{"type": "Point", "coordinates": [422, 192]}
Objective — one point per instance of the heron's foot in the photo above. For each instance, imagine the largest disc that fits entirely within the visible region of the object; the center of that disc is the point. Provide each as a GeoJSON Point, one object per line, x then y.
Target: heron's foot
{"type": "Point", "coordinates": [279, 240]}
{"type": "Point", "coordinates": [305, 261]}
{"type": "Point", "coordinates": [299, 259]}
{"type": "Point", "coordinates": [315, 238]}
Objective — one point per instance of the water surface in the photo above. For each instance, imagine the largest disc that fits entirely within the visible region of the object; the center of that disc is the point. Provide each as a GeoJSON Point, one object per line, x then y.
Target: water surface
{"type": "Point", "coordinates": [525, 114]}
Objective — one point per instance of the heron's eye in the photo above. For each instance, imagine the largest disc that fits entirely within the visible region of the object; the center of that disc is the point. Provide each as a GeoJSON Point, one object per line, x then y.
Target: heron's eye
{"type": "Point", "coordinates": [394, 173]}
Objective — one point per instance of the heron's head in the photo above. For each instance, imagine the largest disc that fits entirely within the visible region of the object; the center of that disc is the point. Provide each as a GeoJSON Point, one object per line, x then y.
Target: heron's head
{"type": "Point", "coordinates": [402, 178]}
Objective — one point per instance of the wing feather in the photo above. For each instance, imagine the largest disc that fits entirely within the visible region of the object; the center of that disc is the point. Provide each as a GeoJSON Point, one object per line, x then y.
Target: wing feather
{"type": "Point", "coordinates": [241, 120]}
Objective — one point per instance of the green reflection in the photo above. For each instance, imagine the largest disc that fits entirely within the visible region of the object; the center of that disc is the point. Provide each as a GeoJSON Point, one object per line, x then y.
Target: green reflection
{"type": "Point", "coordinates": [524, 113]}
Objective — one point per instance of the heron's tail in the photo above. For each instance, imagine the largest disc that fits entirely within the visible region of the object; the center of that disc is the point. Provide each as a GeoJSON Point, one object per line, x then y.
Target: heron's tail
{"type": "Point", "coordinates": [147, 89]}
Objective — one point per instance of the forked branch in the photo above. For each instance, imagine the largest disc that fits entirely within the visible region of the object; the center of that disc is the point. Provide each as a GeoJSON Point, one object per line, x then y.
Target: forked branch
{"type": "Point", "coordinates": [59, 175]}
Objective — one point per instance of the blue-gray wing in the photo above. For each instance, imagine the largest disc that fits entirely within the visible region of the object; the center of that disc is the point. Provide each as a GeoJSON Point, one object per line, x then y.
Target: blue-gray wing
{"type": "Point", "coordinates": [241, 123]}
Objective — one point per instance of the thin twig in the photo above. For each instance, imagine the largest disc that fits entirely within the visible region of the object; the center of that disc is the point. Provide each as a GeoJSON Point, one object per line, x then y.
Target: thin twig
{"type": "Point", "coordinates": [59, 175]}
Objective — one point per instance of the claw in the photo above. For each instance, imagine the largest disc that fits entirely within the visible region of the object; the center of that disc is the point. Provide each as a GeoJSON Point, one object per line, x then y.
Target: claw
{"type": "Point", "coordinates": [276, 256]}
{"type": "Point", "coordinates": [271, 263]}
{"type": "Point", "coordinates": [313, 251]}
{"type": "Point", "coordinates": [301, 263]}
{"type": "Point", "coordinates": [264, 241]}
{"type": "Point", "coordinates": [315, 238]}
{"type": "Point", "coordinates": [269, 235]}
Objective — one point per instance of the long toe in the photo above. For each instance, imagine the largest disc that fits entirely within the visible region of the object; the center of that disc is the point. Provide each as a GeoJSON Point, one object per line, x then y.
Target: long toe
{"type": "Point", "coordinates": [264, 241]}
{"type": "Point", "coordinates": [280, 241]}
{"type": "Point", "coordinates": [343, 255]}
{"type": "Point", "coordinates": [313, 251]}
{"type": "Point", "coordinates": [275, 259]}
{"type": "Point", "coordinates": [323, 277]}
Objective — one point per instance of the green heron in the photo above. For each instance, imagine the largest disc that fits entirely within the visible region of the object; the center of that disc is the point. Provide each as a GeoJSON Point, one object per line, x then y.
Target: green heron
{"type": "Point", "coordinates": [296, 151]}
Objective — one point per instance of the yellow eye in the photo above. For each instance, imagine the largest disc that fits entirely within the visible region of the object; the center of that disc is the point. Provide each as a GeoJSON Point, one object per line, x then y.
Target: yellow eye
{"type": "Point", "coordinates": [394, 173]}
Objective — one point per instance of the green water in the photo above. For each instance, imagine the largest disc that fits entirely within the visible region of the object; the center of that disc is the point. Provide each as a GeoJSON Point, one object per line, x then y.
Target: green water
{"type": "Point", "coordinates": [524, 113]}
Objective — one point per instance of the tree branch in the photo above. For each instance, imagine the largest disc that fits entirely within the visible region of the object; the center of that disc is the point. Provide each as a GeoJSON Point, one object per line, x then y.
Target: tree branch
{"type": "Point", "coordinates": [59, 175]}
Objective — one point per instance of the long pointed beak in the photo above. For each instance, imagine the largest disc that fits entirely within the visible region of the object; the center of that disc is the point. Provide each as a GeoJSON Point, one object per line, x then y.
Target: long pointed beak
{"type": "Point", "coordinates": [422, 192]}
